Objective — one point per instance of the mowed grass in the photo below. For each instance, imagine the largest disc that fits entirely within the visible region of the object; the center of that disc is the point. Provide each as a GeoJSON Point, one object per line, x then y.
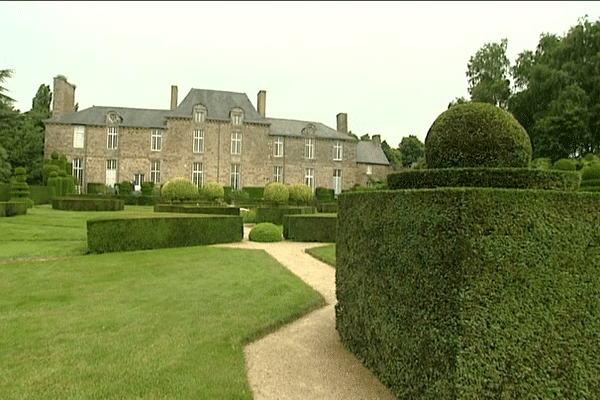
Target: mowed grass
{"type": "Point", "coordinates": [324, 253]}
{"type": "Point", "coordinates": [157, 324]}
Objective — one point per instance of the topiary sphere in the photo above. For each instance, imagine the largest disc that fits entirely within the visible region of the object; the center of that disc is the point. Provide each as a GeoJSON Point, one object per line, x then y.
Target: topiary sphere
{"type": "Point", "coordinates": [213, 190]}
{"type": "Point", "coordinates": [300, 193]}
{"type": "Point", "coordinates": [477, 135]}
{"type": "Point", "coordinates": [265, 232]}
{"type": "Point", "coordinates": [590, 172]}
{"type": "Point", "coordinates": [276, 192]}
{"type": "Point", "coordinates": [565, 164]}
{"type": "Point", "coordinates": [179, 189]}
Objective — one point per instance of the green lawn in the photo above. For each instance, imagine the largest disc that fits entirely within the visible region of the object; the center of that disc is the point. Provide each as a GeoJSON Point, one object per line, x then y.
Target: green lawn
{"type": "Point", "coordinates": [324, 253]}
{"type": "Point", "coordinates": [157, 324]}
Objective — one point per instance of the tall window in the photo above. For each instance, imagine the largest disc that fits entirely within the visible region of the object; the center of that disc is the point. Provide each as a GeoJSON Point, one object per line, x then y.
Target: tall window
{"type": "Point", "coordinates": [155, 171]}
{"type": "Point", "coordinates": [78, 172]}
{"type": "Point", "coordinates": [309, 148]}
{"type": "Point", "coordinates": [111, 172]}
{"type": "Point", "coordinates": [278, 174]}
{"type": "Point", "coordinates": [112, 137]}
{"type": "Point", "coordinates": [309, 177]}
{"type": "Point", "coordinates": [236, 143]}
{"type": "Point", "coordinates": [78, 136]}
{"type": "Point", "coordinates": [369, 170]}
{"type": "Point", "coordinates": [198, 141]}
{"type": "Point", "coordinates": [156, 144]}
{"type": "Point", "coordinates": [236, 176]}
{"type": "Point", "coordinates": [198, 174]}
{"type": "Point", "coordinates": [199, 114]}
{"type": "Point", "coordinates": [278, 147]}
{"type": "Point", "coordinates": [337, 150]}
{"type": "Point", "coordinates": [337, 181]}
{"type": "Point", "coordinates": [236, 118]}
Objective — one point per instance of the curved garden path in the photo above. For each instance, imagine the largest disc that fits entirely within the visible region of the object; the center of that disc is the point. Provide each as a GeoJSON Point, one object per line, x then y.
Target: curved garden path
{"type": "Point", "coordinates": [305, 359]}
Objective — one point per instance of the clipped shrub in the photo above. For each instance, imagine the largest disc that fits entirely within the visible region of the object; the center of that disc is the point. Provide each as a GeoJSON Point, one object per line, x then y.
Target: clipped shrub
{"type": "Point", "coordinates": [54, 182]}
{"type": "Point", "coordinates": [9, 209]}
{"type": "Point", "coordinates": [194, 209]}
{"type": "Point", "coordinates": [477, 135]}
{"type": "Point", "coordinates": [19, 187]}
{"type": "Point", "coordinates": [213, 191]}
{"type": "Point", "coordinates": [590, 177]}
{"type": "Point", "coordinates": [46, 170]}
{"type": "Point", "coordinates": [300, 194]}
{"type": "Point", "coordinates": [325, 194]}
{"type": "Point", "coordinates": [125, 188]}
{"type": "Point", "coordinates": [179, 189]}
{"type": "Point", "coordinates": [148, 188]}
{"type": "Point", "coordinates": [94, 188]}
{"type": "Point", "coordinates": [82, 203]}
{"type": "Point", "coordinates": [542, 163]}
{"type": "Point", "coordinates": [275, 215]}
{"type": "Point", "coordinates": [254, 192]}
{"type": "Point", "coordinates": [248, 215]}
{"type": "Point", "coordinates": [276, 193]}
{"type": "Point", "coordinates": [565, 164]}
{"type": "Point", "coordinates": [265, 232]}
{"type": "Point", "coordinates": [310, 228]}
{"type": "Point", "coordinates": [237, 196]}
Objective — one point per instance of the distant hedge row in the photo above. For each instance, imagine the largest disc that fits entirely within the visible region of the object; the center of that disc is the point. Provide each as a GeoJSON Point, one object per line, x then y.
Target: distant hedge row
{"type": "Point", "coordinates": [39, 194]}
{"type": "Point", "coordinates": [81, 203]}
{"type": "Point", "coordinates": [8, 209]}
{"type": "Point", "coordinates": [514, 178]}
{"type": "Point", "coordinates": [310, 228]}
{"type": "Point", "coordinates": [275, 215]}
{"type": "Point", "coordinates": [161, 231]}
{"type": "Point", "coordinates": [472, 293]}
{"type": "Point", "coordinates": [192, 209]}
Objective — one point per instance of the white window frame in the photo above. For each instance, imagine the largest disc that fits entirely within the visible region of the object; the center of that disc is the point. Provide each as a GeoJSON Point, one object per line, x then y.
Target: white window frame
{"type": "Point", "coordinates": [309, 177]}
{"type": "Point", "coordinates": [278, 146]}
{"type": "Point", "coordinates": [198, 141]}
{"type": "Point", "coordinates": [236, 143]}
{"type": "Point", "coordinates": [155, 171]}
{"type": "Point", "coordinates": [309, 148]}
{"type": "Point", "coordinates": [78, 172]}
{"type": "Point", "coordinates": [111, 165]}
{"type": "Point", "coordinates": [79, 136]}
{"type": "Point", "coordinates": [369, 169]}
{"type": "Point", "coordinates": [198, 174]}
{"type": "Point", "coordinates": [237, 118]}
{"type": "Point", "coordinates": [337, 181]}
{"type": "Point", "coordinates": [199, 116]}
{"type": "Point", "coordinates": [112, 137]}
{"type": "Point", "coordinates": [277, 173]}
{"type": "Point", "coordinates": [236, 177]}
{"type": "Point", "coordinates": [337, 150]}
{"type": "Point", "coordinates": [156, 140]}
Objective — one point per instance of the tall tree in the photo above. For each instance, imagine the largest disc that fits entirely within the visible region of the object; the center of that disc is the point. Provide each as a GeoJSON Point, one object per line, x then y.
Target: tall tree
{"type": "Point", "coordinates": [487, 74]}
{"type": "Point", "coordinates": [4, 75]}
{"type": "Point", "coordinates": [411, 150]}
{"type": "Point", "coordinates": [393, 155]}
{"type": "Point", "coordinates": [5, 167]}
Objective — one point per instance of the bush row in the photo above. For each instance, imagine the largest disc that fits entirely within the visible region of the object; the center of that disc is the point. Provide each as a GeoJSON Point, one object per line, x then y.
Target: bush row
{"type": "Point", "coordinates": [310, 228]}
{"type": "Point", "coordinates": [161, 231]}
{"type": "Point", "coordinates": [515, 178]}
{"type": "Point", "coordinates": [8, 209]}
{"type": "Point", "coordinates": [275, 215]}
{"type": "Point", "coordinates": [472, 293]}
{"type": "Point", "coordinates": [39, 194]}
{"type": "Point", "coordinates": [88, 204]}
{"type": "Point", "coordinates": [192, 209]}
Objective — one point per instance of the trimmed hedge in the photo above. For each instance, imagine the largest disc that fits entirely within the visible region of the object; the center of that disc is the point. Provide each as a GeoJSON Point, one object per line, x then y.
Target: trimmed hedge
{"type": "Point", "coordinates": [275, 215]}
{"type": "Point", "coordinates": [88, 204]}
{"type": "Point", "coordinates": [310, 228]}
{"type": "Point", "coordinates": [513, 178]}
{"type": "Point", "coordinates": [41, 194]}
{"type": "Point", "coordinates": [191, 209]}
{"type": "Point", "coordinates": [472, 293]}
{"type": "Point", "coordinates": [161, 231]}
{"type": "Point", "coordinates": [254, 192]}
{"type": "Point", "coordinates": [325, 194]}
{"type": "Point", "coordinates": [327, 207]}
{"type": "Point", "coordinates": [8, 209]}
{"type": "Point", "coordinates": [265, 233]}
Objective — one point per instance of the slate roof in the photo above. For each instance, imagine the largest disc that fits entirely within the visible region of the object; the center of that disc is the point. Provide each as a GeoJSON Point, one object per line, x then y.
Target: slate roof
{"type": "Point", "coordinates": [218, 105]}
{"type": "Point", "coordinates": [368, 152]}
{"type": "Point", "coordinates": [293, 128]}
{"type": "Point", "coordinates": [132, 117]}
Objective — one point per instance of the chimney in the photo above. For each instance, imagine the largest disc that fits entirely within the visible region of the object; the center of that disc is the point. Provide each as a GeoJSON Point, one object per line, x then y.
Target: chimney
{"type": "Point", "coordinates": [173, 97]}
{"type": "Point", "coordinates": [342, 122]}
{"type": "Point", "coordinates": [376, 140]}
{"type": "Point", "coordinates": [261, 103]}
{"type": "Point", "coordinates": [63, 101]}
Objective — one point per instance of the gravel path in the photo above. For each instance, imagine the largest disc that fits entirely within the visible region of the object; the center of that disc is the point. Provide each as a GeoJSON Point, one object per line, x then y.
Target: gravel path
{"type": "Point", "coordinates": [305, 359]}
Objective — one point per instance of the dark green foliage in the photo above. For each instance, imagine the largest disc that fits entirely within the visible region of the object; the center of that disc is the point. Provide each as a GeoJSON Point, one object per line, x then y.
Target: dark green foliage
{"type": "Point", "coordinates": [238, 196]}
{"type": "Point", "coordinates": [275, 214]}
{"type": "Point", "coordinates": [515, 178]}
{"type": "Point", "coordinates": [94, 188]}
{"type": "Point", "coordinates": [148, 188]}
{"type": "Point", "coordinates": [8, 209]}
{"type": "Point", "coordinates": [67, 184]}
{"type": "Point", "coordinates": [83, 203]}
{"type": "Point", "coordinates": [41, 194]}
{"type": "Point", "coordinates": [411, 150]}
{"type": "Point", "coordinates": [564, 164]}
{"type": "Point", "coordinates": [300, 194]}
{"type": "Point", "coordinates": [5, 166]}
{"type": "Point", "coordinates": [4, 192]}
{"type": "Point", "coordinates": [461, 293]}
{"type": "Point", "coordinates": [54, 182]}
{"type": "Point", "coordinates": [541, 163]}
{"type": "Point", "coordinates": [191, 209]}
{"type": "Point", "coordinates": [477, 135]}
{"type": "Point", "coordinates": [254, 192]}
{"type": "Point", "coordinates": [325, 194]}
{"type": "Point", "coordinates": [265, 232]}
{"type": "Point", "coordinates": [46, 170]}
{"type": "Point", "coordinates": [180, 189]}
{"type": "Point", "coordinates": [276, 193]}
{"type": "Point", "coordinates": [19, 186]}
{"type": "Point", "coordinates": [590, 177]}
{"type": "Point", "coordinates": [162, 231]}
{"type": "Point", "coordinates": [327, 207]}
{"type": "Point", "coordinates": [310, 228]}
{"type": "Point", "coordinates": [125, 188]}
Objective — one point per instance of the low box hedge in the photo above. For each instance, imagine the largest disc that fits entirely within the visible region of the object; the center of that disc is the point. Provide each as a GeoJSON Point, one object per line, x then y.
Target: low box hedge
{"type": "Point", "coordinates": [191, 209]}
{"type": "Point", "coordinates": [83, 203]}
{"type": "Point", "coordinates": [275, 215]}
{"type": "Point", "coordinates": [310, 228]}
{"type": "Point", "coordinates": [472, 293]}
{"type": "Point", "coordinates": [513, 178]}
{"type": "Point", "coordinates": [41, 194]}
{"type": "Point", "coordinates": [162, 231]}
{"type": "Point", "coordinates": [327, 207]}
{"type": "Point", "coordinates": [9, 209]}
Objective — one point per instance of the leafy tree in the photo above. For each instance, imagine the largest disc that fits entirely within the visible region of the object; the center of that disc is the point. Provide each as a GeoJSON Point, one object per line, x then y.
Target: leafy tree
{"type": "Point", "coordinates": [487, 74]}
{"type": "Point", "coordinates": [365, 137]}
{"type": "Point", "coordinates": [411, 150]}
{"type": "Point", "coordinates": [393, 155]}
{"type": "Point", "coordinates": [4, 75]}
{"type": "Point", "coordinates": [5, 167]}
{"type": "Point", "coordinates": [458, 100]}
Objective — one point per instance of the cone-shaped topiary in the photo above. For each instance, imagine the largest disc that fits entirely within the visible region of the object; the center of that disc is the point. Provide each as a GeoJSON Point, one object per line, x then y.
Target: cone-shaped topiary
{"type": "Point", "coordinates": [179, 188]}
{"type": "Point", "coordinates": [477, 135]}
{"type": "Point", "coordinates": [19, 188]}
{"type": "Point", "coordinates": [276, 193]}
{"type": "Point", "coordinates": [265, 232]}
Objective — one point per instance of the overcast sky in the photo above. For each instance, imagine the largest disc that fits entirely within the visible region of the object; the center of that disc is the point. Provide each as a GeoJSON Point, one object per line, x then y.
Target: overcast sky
{"type": "Point", "coordinates": [393, 67]}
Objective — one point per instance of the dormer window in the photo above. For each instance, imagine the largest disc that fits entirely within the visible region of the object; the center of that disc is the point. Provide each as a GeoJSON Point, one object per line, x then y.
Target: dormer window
{"type": "Point", "coordinates": [112, 118]}
{"type": "Point", "coordinates": [237, 116]}
{"type": "Point", "coordinates": [199, 113]}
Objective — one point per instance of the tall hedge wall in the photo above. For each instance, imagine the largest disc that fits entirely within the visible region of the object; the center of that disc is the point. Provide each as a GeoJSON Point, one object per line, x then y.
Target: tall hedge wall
{"type": "Point", "coordinates": [472, 293]}
{"type": "Point", "coordinates": [162, 231]}
{"type": "Point", "coordinates": [84, 203]}
{"type": "Point", "coordinates": [275, 215]}
{"type": "Point", "coordinates": [192, 209]}
{"type": "Point", "coordinates": [310, 228]}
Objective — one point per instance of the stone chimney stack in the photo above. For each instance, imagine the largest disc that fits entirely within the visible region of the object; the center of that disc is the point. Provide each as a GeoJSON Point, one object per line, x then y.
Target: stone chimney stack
{"type": "Point", "coordinates": [261, 103]}
{"type": "Point", "coordinates": [342, 122]}
{"type": "Point", "coordinates": [63, 100]}
{"type": "Point", "coordinates": [376, 140]}
{"type": "Point", "coordinates": [173, 97]}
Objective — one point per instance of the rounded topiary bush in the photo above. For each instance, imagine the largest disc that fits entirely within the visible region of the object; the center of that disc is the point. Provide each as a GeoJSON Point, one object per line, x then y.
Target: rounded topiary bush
{"type": "Point", "coordinates": [213, 191]}
{"type": "Point", "coordinates": [276, 193]}
{"type": "Point", "coordinates": [565, 164]}
{"type": "Point", "coordinates": [125, 188]}
{"type": "Point", "coordinates": [477, 135]}
{"type": "Point", "coordinates": [179, 189]}
{"type": "Point", "coordinates": [590, 172]}
{"type": "Point", "coordinates": [300, 193]}
{"type": "Point", "coordinates": [265, 232]}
